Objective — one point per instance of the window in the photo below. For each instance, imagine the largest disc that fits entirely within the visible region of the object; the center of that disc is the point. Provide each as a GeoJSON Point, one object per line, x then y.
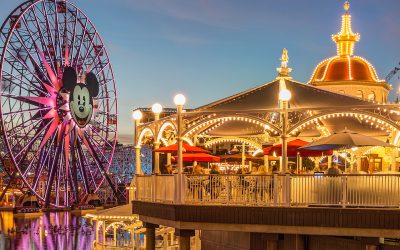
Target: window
{"type": "Point", "coordinates": [371, 96]}
{"type": "Point", "coordinates": [360, 94]}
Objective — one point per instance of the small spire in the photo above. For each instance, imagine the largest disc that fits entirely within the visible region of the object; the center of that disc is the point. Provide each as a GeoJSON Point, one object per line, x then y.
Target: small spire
{"type": "Point", "coordinates": [284, 58]}
{"type": "Point", "coordinates": [346, 6]}
{"type": "Point", "coordinates": [346, 39]}
{"type": "Point", "coordinates": [284, 70]}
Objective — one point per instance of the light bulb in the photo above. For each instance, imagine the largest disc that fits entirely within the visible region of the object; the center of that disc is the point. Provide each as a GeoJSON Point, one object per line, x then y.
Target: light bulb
{"type": "Point", "coordinates": [285, 95]}
{"type": "Point", "coordinates": [156, 108]}
{"type": "Point", "coordinates": [179, 100]}
{"type": "Point", "coordinates": [137, 115]}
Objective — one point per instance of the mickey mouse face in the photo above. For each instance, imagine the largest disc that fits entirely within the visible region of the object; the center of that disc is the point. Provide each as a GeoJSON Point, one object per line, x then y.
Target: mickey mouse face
{"type": "Point", "coordinates": [81, 95]}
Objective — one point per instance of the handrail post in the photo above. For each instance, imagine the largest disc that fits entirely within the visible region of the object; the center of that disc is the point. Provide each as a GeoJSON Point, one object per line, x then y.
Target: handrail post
{"type": "Point", "coordinates": [344, 191]}
{"type": "Point", "coordinates": [135, 190]}
{"type": "Point", "coordinates": [176, 187]}
{"type": "Point", "coordinates": [287, 187]}
{"type": "Point", "coordinates": [275, 179]}
{"type": "Point", "coordinates": [229, 192]}
{"type": "Point", "coordinates": [183, 188]}
{"type": "Point", "coordinates": [153, 188]}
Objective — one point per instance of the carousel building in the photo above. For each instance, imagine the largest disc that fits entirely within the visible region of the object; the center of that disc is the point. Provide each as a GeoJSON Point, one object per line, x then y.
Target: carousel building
{"type": "Point", "coordinates": [344, 93]}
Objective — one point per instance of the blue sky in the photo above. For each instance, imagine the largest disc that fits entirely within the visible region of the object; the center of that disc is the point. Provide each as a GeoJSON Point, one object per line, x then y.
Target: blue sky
{"type": "Point", "coordinates": [209, 49]}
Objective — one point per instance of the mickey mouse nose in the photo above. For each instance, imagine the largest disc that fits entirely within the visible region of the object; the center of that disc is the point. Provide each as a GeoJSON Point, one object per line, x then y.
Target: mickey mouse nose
{"type": "Point", "coordinates": [81, 109]}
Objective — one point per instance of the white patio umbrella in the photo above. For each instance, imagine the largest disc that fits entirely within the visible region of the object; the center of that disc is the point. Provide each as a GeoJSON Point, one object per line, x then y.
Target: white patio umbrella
{"type": "Point", "coordinates": [343, 140]}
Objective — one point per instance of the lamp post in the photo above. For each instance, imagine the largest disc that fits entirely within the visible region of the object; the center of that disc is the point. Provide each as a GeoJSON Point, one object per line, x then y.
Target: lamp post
{"type": "Point", "coordinates": [284, 97]}
{"type": "Point", "coordinates": [157, 109]}
{"type": "Point", "coordinates": [244, 155]}
{"type": "Point", "coordinates": [137, 116]}
{"type": "Point", "coordinates": [179, 101]}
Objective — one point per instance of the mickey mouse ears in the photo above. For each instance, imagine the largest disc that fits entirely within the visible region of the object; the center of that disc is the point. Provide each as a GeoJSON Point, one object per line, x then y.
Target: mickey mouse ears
{"type": "Point", "coordinates": [69, 78]}
{"type": "Point", "coordinates": [92, 84]}
{"type": "Point", "coordinates": [69, 81]}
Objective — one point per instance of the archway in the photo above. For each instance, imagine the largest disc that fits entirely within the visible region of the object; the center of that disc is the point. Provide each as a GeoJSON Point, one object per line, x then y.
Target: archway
{"type": "Point", "coordinates": [208, 122]}
{"type": "Point", "coordinates": [169, 137]}
{"type": "Point", "coordinates": [375, 119]}
{"type": "Point", "coordinates": [144, 132]}
{"type": "Point", "coordinates": [233, 139]}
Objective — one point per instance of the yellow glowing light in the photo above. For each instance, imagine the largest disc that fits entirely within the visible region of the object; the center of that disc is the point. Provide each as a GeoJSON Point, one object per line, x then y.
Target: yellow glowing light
{"type": "Point", "coordinates": [346, 39]}
{"type": "Point", "coordinates": [285, 95]}
{"type": "Point", "coordinates": [179, 100]}
{"type": "Point", "coordinates": [137, 115]}
{"type": "Point", "coordinates": [349, 62]}
{"type": "Point", "coordinates": [156, 108]}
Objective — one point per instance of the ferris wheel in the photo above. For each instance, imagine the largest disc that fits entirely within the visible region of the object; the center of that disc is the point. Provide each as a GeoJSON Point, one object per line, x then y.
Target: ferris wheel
{"type": "Point", "coordinates": [58, 102]}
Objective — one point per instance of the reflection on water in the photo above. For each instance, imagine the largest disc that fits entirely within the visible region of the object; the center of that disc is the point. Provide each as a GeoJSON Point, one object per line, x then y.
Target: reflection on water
{"type": "Point", "coordinates": [61, 230]}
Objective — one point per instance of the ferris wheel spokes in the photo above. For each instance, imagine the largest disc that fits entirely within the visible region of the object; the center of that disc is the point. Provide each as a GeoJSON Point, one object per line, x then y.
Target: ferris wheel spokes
{"type": "Point", "coordinates": [56, 159]}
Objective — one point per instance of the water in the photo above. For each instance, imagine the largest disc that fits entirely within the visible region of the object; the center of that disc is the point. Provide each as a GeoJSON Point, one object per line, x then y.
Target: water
{"type": "Point", "coordinates": [61, 230]}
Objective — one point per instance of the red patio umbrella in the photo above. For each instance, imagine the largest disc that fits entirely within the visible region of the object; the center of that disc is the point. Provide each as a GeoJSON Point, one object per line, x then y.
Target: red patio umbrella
{"type": "Point", "coordinates": [200, 157]}
{"type": "Point", "coordinates": [186, 148]}
{"type": "Point", "coordinates": [293, 149]}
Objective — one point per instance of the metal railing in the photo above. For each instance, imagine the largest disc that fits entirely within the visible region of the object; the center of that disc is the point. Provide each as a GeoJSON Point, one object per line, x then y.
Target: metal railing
{"type": "Point", "coordinates": [233, 189]}
{"type": "Point", "coordinates": [273, 190]}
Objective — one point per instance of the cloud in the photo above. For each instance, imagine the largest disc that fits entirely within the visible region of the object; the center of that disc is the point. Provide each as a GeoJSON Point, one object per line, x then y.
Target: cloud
{"type": "Point", "coordinates": [216, 13]}
{"type": "Point", "coordinates": [187, 40]}
{"type": "Point", "coordinates": [204, 12]}
{"type": "Point", "coordinates": [125, 138]}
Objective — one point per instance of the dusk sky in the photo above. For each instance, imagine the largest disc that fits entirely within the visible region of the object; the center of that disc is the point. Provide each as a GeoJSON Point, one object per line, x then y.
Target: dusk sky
{"type": "Point", "coordinates": [210, 49]}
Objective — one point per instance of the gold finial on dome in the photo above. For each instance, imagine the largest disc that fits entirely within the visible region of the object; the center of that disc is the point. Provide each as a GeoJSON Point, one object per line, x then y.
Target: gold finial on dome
{"type": "Point", "coordinates": [284, 58]}
{"type": "Point", "coordinates": [346, 39]}
{"type": "Point", "coordinates": [284, 70]}
{"type": "Point", "coordinates": [346, 6]}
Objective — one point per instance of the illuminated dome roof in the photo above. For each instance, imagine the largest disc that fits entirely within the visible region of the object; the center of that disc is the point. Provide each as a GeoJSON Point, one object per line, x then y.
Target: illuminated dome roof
{"type": "Point", "coordinates": [345, 66]}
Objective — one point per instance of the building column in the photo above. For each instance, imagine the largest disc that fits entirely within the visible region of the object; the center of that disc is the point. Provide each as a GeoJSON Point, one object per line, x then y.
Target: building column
{"type": "Point", "coordinates": [393, 160]}
{"type": "Point", "coordinates": [301, 163]}
{"type": "Point", "coordinates": [316, 162]}
{"type": "Point", "coordinates": [115, 235]}
{"type": "Point", "coordinates": [137, 160]}
{"type": "Point", "coordinates": [284, 105]}
{"type": "Point", "coordinates": [165, 241]}
{"type": "Point", "coordinates": [351, 163]}
{"type": "Point", "coordinates": [137, 115]}
{"type": "Point", "coordinates": [150, 236]}
{"type": "Point", "coordinates": [329, 161]}
{"type": "Point", "coordinates": [214, 149]}
{"type": "Point", "coordinates": [172, 234]}
{"type": "Point", "coordinates": [197, 239]}
{"type": "Point", "coordinates": [264, 241]}
{"type": "Point", "coordinates": [156, 158]}
{"type": "Point", "coordinates": [97, 231]}
{"type": "Point", "coordinates": [137, 240]}
{"type": "Point", "coordinates": [266, 163]}
{"type": "Point", "coordinates": [168, 158]}
{"type": "Point", "coordinates": [133, 236]}
{"type": "Point", "coordinates": [195, 140]}
{"type": "Point", "coordinates": [184, 238]}
{"type": "Point", "coordinates": [103, 231]}
{"type": "Point", "coordinates": [244, 156]}
{"type": "Point", "coordinates": [358, 165]}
